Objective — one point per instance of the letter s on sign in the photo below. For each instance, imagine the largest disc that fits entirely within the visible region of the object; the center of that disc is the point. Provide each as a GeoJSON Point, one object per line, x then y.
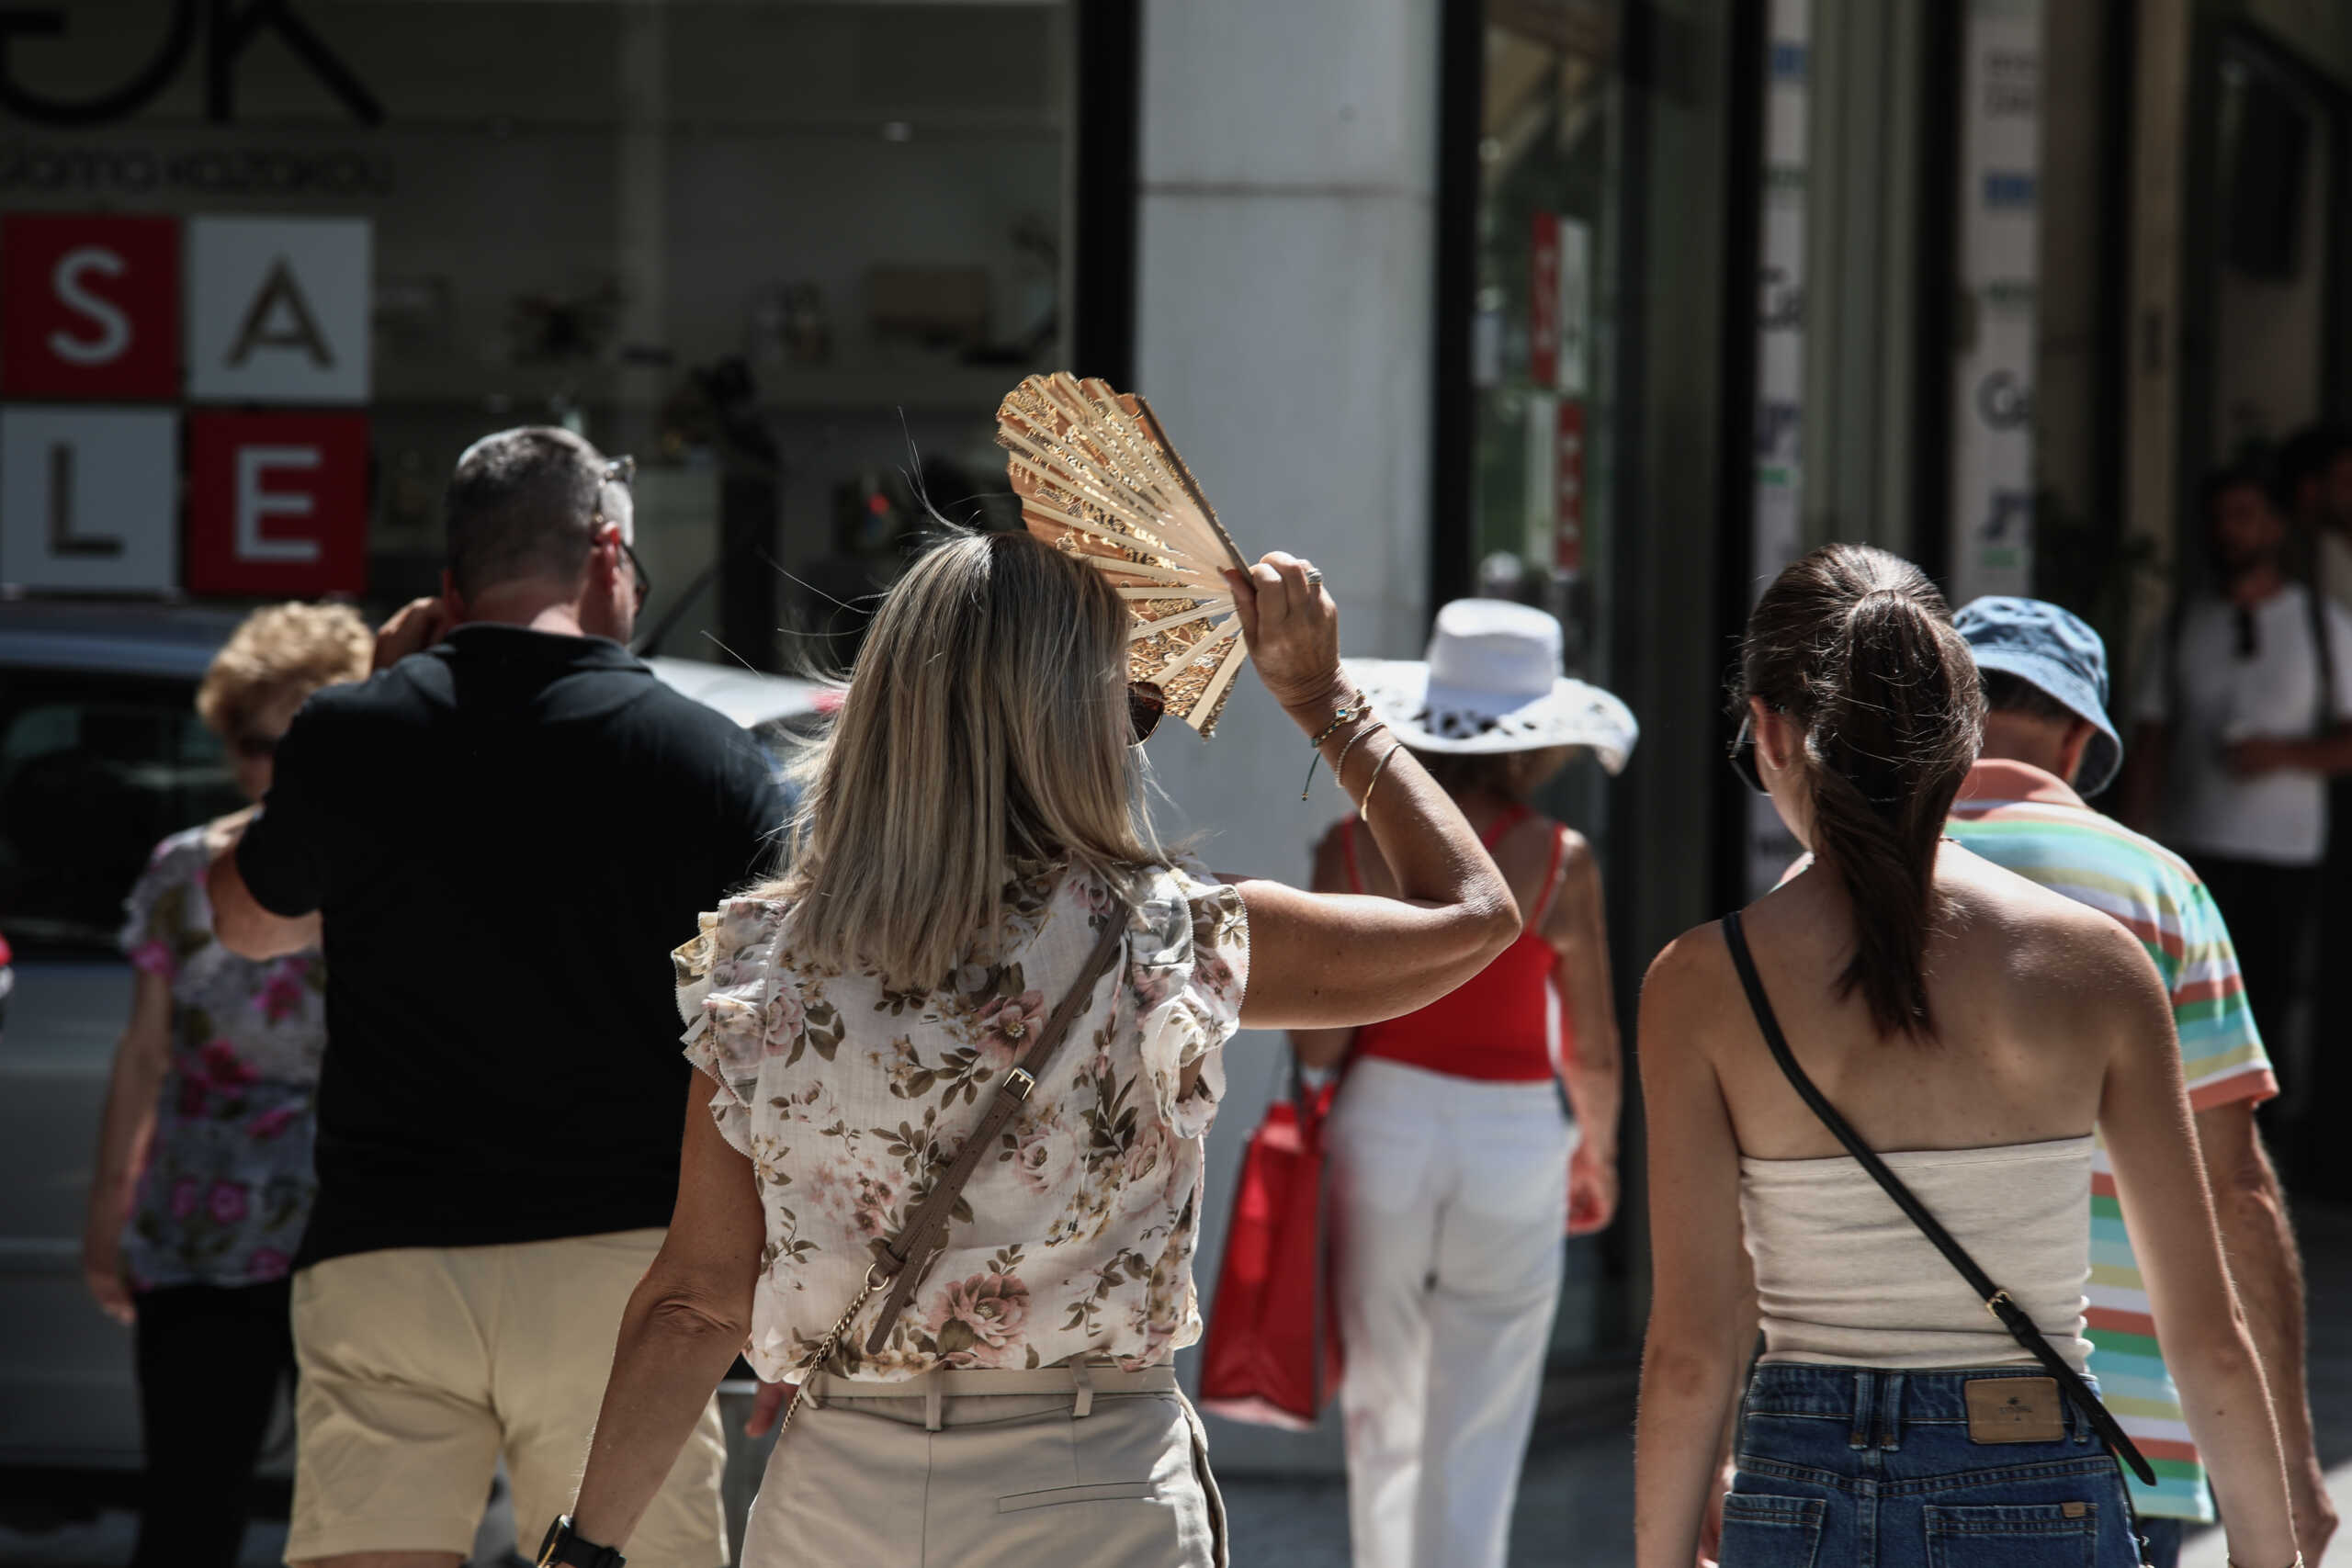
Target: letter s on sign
{"type": "Point", "coordinates": [114, 327]}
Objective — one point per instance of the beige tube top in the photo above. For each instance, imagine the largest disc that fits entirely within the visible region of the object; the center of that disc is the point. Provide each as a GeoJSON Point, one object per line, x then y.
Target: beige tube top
{"type": "Point", "coordinates": [1843, 1277]}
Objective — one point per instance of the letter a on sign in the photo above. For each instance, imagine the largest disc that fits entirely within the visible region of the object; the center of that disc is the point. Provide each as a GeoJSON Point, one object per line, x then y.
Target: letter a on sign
{"type": "Point", "coordinates": [281, 318]}
{"type": "Point", "coordinates": [90, 307]}
{"type": "Point", "coordinates": [278, 309]}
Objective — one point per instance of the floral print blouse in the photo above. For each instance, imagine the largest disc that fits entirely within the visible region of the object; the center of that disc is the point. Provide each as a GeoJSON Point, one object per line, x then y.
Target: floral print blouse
{"type": "Point", "coordinates": [227, 1186]}
{"type": "Point", "coordinates": [848, 1098]}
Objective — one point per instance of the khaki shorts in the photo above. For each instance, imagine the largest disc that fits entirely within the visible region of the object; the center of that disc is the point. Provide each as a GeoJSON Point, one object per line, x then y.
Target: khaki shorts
{"type": "Point", "coordinates": [422, 1366]}
{"type": "Point", "coordinates": [1016, 1479]}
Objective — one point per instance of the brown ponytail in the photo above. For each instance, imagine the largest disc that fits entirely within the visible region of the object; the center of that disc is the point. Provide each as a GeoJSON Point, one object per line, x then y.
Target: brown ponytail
{"type": "Point", "coordinates": [1857, 647]}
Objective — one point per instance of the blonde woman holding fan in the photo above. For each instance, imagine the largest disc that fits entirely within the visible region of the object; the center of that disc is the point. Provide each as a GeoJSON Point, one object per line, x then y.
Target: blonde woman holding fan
{"type": "Point", "coordinates": [979, 1028]}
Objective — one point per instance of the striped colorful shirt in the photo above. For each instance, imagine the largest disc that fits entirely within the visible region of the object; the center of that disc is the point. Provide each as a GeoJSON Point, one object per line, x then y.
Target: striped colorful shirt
{"type": "Point", "coordinates": [2023, 818]}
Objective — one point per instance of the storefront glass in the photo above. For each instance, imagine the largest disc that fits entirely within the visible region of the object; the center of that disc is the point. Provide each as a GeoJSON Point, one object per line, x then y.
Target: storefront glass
{"type": "Point", "coordinates": [1543, 378]}
{"type": "Point", "coordinates": [789, 255]}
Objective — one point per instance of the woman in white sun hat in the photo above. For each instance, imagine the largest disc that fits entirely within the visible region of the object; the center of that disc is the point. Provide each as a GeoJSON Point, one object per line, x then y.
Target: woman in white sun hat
{"type": "Point", "coordinates": [1455, 1176]}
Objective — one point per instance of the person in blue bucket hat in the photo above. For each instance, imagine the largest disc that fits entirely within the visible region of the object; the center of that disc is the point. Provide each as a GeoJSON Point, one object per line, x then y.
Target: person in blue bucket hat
{"type": "Point", "coordinates": [2048, 743]}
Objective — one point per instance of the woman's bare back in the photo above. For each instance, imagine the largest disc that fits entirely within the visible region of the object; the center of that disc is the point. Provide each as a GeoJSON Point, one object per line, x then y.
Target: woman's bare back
{"type": "Point", "coordinates": [2023, 986]}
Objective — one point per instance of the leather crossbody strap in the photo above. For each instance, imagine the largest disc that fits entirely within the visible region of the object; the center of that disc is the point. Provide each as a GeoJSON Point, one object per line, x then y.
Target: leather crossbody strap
{"type": "Point", "coordinates": [1996, 1301]}
{"type": "Point", "coordinates": [904, 1258]}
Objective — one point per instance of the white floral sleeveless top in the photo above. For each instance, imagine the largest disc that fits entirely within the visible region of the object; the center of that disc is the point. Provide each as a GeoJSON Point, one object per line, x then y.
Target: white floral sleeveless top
{"type": "Point", "coordinates": [1076, 1240]}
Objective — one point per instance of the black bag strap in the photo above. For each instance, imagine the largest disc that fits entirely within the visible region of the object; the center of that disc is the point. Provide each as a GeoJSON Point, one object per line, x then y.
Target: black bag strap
{"type": "Point", "coordinates": [2323, 651]}
{"type": "Point", "coordinates": [1996, 1301]}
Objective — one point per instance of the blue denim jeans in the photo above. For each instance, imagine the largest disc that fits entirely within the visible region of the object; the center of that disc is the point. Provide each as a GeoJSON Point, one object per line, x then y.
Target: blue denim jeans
{"type": "Point", "coordinates": [1854, 1467]}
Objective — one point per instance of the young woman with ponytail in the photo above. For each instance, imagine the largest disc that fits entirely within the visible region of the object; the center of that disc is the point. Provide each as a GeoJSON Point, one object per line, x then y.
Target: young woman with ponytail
{"type": "Point", "coordinates": [1975, 1031]}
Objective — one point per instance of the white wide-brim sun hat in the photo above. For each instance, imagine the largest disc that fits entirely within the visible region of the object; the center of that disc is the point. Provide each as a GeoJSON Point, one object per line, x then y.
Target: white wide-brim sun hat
{"type": "Point", "coordinates": [1492, 682]}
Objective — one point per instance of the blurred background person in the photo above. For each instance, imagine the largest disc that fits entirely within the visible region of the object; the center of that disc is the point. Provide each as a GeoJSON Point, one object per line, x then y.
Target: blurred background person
{"type": "Point", "coordinates": [203, 1181]}
{"type": "Point", "coordinates": [2048, 743]}
{"type": "Point", "coordinates": [1977, 1031]}
{"type": "Point", "coordinates": [1455, 1175]}
{"type": "Point", "coordinates": [2244, 713]}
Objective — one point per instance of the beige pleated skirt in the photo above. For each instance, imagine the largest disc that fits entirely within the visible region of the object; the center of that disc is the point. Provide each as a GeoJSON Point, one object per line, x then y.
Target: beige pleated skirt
{"type": "Point", "coordinates": [991, 1469]}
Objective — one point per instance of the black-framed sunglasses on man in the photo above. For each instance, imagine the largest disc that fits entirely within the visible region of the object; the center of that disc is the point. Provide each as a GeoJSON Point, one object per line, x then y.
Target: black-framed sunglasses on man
{"type": "Point", "coordinates": [622, 471]}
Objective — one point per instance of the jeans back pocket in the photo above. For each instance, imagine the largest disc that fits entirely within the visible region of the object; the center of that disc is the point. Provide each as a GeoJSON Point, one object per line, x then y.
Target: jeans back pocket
{"type": "Point", "coordinates": [2013, 1535]}
{"type": "Point", "coordinates": [1764, 1531]}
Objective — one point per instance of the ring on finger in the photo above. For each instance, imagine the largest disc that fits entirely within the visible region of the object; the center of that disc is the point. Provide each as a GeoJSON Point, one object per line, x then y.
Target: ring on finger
{"type": "Point", "coordinates": [1314, 577]}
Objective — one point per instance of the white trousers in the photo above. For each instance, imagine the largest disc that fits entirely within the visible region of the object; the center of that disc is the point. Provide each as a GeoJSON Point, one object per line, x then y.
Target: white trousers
{"type": "Point", "coordinates": [1449, 1201]}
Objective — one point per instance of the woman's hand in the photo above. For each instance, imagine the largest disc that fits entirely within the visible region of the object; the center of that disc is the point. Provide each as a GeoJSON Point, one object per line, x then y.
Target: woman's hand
{"type": "Point", "coordinates": [1592, 1190]}
{"type": "Point", "coordinates": [102, 1271]}
{"type": "Point", "coordinates": [1291, 629]}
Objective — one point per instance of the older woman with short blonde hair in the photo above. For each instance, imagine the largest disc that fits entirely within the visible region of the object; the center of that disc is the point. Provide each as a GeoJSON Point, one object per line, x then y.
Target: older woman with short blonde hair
{"type": "Point", "coordinates": [978, 1028]}
{"type": "Point", "coordinates": [203, 1181]}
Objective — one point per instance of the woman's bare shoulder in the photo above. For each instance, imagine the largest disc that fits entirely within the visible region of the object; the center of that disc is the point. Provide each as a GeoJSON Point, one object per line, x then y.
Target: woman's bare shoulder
{"type": "Point", "coordinates": [2047, 939]}
{"type": "Point", "coordinates": [1690, 980]}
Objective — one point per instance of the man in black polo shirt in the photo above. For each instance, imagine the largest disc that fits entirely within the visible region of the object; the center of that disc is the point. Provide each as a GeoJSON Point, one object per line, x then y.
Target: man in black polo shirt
{"type": "Point", "coordinates": [504, 835]}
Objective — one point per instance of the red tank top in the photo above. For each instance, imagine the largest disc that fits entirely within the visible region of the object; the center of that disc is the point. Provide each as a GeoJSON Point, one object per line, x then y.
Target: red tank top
{"type": "Point", "coordinates": [1505, 1023]}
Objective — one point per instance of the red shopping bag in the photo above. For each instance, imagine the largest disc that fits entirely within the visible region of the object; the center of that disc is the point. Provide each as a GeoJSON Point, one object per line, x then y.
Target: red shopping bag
{"type": "Point", "coordinates": [1272, 1354]}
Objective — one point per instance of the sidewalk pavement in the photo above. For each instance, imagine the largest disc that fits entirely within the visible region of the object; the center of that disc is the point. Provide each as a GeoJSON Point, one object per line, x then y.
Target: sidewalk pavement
{"type": "Point", "coordinates": [2325, 1235]}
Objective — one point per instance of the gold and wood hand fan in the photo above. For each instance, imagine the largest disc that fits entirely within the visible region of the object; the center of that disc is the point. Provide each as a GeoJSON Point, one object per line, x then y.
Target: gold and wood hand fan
{"type": "Point", "coordinates": [1098, 478]}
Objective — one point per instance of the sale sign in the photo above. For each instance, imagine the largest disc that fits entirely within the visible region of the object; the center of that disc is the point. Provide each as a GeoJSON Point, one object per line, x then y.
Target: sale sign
{"type": "Point", "coordinates": [277, 504]}
{"type": "Point", "coordinates": [90, 307]}
{"type": "Point", "coordinates": [89, 498]}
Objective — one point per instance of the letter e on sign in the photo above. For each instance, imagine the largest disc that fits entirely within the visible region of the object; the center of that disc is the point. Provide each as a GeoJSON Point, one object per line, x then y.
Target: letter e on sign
{"type": "Point", "coordinates": [278, 309]}
{"type": "Point", "coordinates": [277, 504]}
{"type": "Point", "coordinates": [89, 498]}
{"type": "Point", "coordinates": [90, 307]}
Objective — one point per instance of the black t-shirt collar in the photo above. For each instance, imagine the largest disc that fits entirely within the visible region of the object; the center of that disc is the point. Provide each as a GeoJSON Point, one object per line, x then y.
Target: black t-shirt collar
{"type": "Point", "coordinates": [557, 652]}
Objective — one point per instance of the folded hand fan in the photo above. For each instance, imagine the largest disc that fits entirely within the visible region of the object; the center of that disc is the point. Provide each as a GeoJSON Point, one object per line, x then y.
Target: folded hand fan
{"type": "Point", "coordinates": [1097, 477]}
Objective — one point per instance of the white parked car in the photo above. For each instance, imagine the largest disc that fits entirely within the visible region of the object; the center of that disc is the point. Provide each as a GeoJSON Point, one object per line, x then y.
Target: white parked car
{"type": "Point", "coordinates": [101, 755]}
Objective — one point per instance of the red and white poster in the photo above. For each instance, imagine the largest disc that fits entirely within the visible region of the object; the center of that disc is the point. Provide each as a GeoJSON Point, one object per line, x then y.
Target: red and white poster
{"type": "Point", "coordinates": [277, 504]}
{"type": "Point", "coordinates": [90, 307]}
{"type": "Point", "coordinates": [1568, 487]}
{"type": "Point", "coordinates": [1544, 301]}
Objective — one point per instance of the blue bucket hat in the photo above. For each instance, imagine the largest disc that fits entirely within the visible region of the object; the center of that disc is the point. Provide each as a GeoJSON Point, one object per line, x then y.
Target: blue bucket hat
{"type": "Point", "coordinates": [2056, 652]}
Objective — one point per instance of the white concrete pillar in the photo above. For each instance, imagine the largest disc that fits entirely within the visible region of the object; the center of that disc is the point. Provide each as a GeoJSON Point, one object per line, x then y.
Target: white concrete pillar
{"type": "Point", "coordinates": [1284, 327]}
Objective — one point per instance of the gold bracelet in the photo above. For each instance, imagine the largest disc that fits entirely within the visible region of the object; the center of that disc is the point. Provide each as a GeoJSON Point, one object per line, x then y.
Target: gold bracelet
{"type": "Point", "coordinates": [1339, 768]}
{"type": "Point", "coordinates": [1364, 810]}
{"type": "Point", "coordinates": [1354, 707]}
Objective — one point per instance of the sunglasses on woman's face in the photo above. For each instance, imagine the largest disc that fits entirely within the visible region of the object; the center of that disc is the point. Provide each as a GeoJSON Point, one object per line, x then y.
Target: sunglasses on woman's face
{"type": "Point", "coordinates": [1743, 754]}
{"type": "Point", "coordinates": [1146, 702]}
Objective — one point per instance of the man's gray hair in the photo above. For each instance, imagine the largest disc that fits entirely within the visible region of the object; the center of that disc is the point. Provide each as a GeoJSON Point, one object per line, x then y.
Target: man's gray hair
{"type": "Point", "coordinates": [523, 504]}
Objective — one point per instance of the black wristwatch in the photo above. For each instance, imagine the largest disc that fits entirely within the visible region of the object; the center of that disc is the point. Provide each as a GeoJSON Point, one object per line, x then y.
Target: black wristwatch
{"type": "Point", "coordinates": [563, 1545]}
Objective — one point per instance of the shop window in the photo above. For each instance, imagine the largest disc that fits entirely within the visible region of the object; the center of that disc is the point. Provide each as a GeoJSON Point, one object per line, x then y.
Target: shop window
{"type": "Point", "coordinates": [790, 255]}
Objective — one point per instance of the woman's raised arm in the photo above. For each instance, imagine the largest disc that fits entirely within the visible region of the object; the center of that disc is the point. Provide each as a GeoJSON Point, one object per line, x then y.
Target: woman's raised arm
{"type": "Point", "coordinates": [1321, 960]}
